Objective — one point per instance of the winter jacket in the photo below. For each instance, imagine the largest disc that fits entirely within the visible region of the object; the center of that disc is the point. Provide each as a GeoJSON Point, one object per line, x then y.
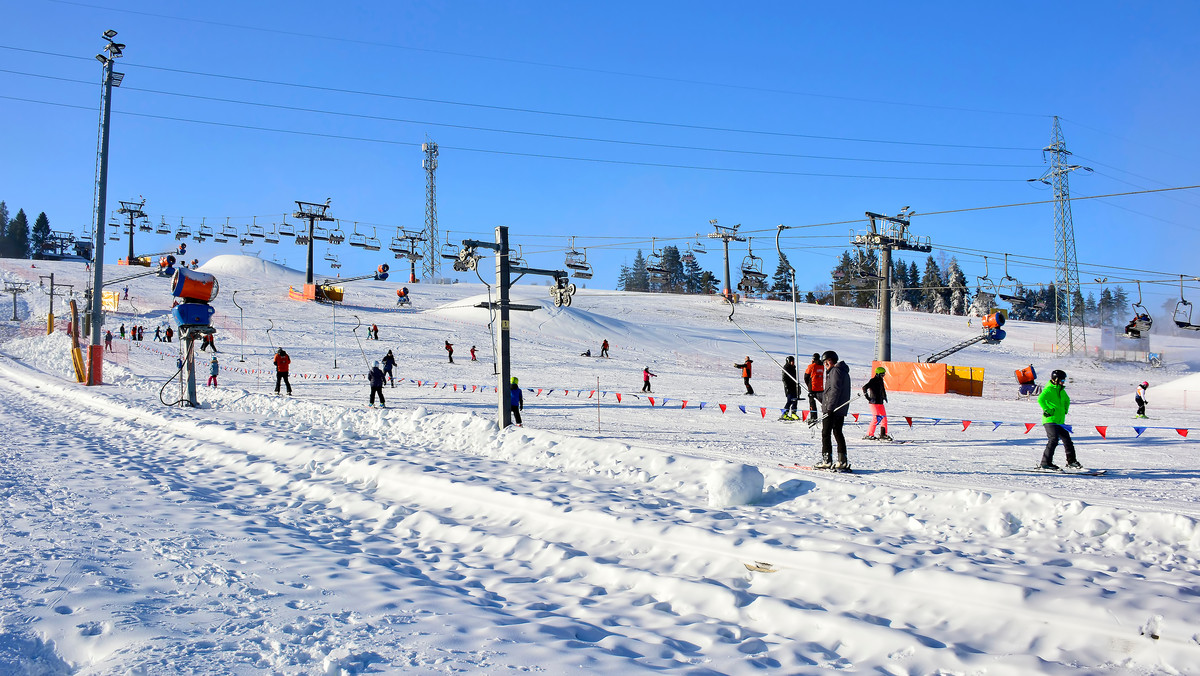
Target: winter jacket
{"type": "Point", "coordinates": [875, 391]}
{"type": "Point", "coordinates": [647, 375]}
{"type": "Point", "coordinates": [515, 397]}
{"type": "Point", "coordinates": [1054, 402]}
{"type": "Point", "coordinates": [745, 367]}
{"type": "Point", "coordinates": [1141, 392]}
{"type": "Point", "coordinates": [814, 377]}
{"type": "Point", "coordinates": [213, 368]}
{"type": "Point", "coordinates": [789, 380]}
{"type": "Point", "coordinates": [837, 389]}
{"type": "Point", "coordinates": [375, 377]}
{"type": "Point", "coordinates": [389, 362]}
{"type": "Point", "coordinates": [282, 361]}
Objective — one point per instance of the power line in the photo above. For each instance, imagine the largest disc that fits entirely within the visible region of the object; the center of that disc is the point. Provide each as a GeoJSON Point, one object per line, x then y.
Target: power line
{"type": "Point", "coordinates": [343, 137]}
{"type": "Point", "coordinates": [602, 118]}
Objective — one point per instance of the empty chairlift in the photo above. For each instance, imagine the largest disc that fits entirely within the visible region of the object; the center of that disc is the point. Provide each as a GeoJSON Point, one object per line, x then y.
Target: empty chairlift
{"type": "Point", "coordinates": [286, 229]}
{"type": "Point", "coordinates": [357, 238]}
{"type": "Point", "coordinates": [163, 228]}
{"type": "Point", "coordinates": [272, 237]}
{"type": "Point", "coordinates": [256, 230]}
{"type": "Point", "coordinates": [228, 232]}
{"type": "Point", "coordinates": [654, 264]}
{"type": "Point", "coordinates": [1183, 310]}
{"type": "Point", "coordinates": [372, 243]}
{"type": "Point", "coordinates": [577, 262]}
{"type": "Point", "coordinates": [753, 278]}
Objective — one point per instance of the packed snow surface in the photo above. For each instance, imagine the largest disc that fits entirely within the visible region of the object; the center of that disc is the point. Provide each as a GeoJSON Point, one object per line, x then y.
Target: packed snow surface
{"type": "Point", "coordinates": [616, 532]}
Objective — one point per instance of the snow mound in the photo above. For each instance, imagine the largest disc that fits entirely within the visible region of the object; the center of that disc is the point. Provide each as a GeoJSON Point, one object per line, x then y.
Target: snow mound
{"type": "Point", "coordinates": [251, 266]}
{"type": "Point", "coordinates": [731, 485]}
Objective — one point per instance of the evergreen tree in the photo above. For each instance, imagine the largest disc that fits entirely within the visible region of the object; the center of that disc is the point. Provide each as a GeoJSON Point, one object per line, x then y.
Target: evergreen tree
{"type": "Point", "coordinates": [866, 282]}
{"type": "Point", "coordinates": [16, 236]}
{"type": "Point", "coordinates": [900, 285]}
{"type": "Point", "coordinates": [842, 275]}
{"type": "Point", "coordinates": [639, 279]}
{"type": "Point", "coordinates": [959, 294]}
{"type": "Point", "coordinates": [709, 284]}
{"type": "Point", "coordinates": [4, 218]}
{"type": "Point", "coordinates": [1122, 308]}
{"type": "Point", "coordinates": [932, 297]}
{"type": "Point", "coordinates": [41, 232]}
{"type": "Point", "coordinates": [1091, 312]}
{"type": "Point", "coordinates": [1106, 308]}
{"type": "Point", "coordinates": [693, 275]}
{"type": "Point", "coordinates": [912, 284]}
{"type": "Point", "coordinates": [782, 286]}
{"type": "Point", "coordinates": [623, 278]}
{"type": "Point", "coordinates": [673, 280]}
{"type": "Point", "coordinates": [810, 297]}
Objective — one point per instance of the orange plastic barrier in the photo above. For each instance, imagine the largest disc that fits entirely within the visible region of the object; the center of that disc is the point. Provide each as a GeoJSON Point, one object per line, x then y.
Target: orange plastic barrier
{"type": "Point", "coordinates": [905, 376]}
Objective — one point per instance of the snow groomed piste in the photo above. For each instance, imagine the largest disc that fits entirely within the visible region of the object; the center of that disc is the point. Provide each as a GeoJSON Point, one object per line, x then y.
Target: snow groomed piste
{"type": "Point", "coordinates": [314, 535]}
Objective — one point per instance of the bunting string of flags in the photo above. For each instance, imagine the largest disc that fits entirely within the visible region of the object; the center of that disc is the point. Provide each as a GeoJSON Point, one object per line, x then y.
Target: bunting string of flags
{"type": "Point", "coordinates": [1101, 430]}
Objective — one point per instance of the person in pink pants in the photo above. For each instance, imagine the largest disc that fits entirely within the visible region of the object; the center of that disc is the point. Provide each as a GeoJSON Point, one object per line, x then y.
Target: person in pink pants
{"type": "Point", "coordinates": [876, 395]}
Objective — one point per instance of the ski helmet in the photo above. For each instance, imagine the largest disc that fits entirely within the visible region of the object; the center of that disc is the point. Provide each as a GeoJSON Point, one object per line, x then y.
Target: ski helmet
{"type": "Point", "coordinates": [514, 380]}
{"type": "Point", "coordinates": [790, 359]}
{"type": "Point", "coordinates": [816, 357]}
{"type": "Point", "coordinates": [1144, 384]}
{"type": "Point", "coordinates": [829, 355]}
{"type": "Point", "coordinates": [1058, 376]}
{"type": "Point", "coordinates": [880, 370]}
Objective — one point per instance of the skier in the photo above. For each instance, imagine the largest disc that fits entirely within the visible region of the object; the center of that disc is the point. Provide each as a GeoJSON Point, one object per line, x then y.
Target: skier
{"type": "Point", "coordinates": [213, 369]}
{"type": "Point", "coordinates": [604, 349]}
{"type": "Point", "coordinates": [282, 362]}
{"type": "Point", "coordinates": [141, 334]}
{"type": "Point", "coordinates": [207, 342]}
{"type": "Point", "coordinates": [389, 363]}
{"type": "Point", "coordinates": [516, 401]}
{"type": "Point", "coordinates": [586, 353]}
{"type": "Point", "coordinates": [169, 333]}
{"type": "Point", "coordinates": [108, 341]}
{"type": "Point", "coordinates": [1140, 399]}
{"type": "Point", "coordinates": [834, 399]}
{"type": "Point", "coordinates": [375, 330]}
{"type": "Point", "coordinates": [745, 367]}
{"type": "Point", "coordinates": [646, 376]}
{"type": "Point", "coordinates": [876, 395]}
{"type": "Point", "coordinates": [814, 380]}
{"type": "Point", "coordinates": [1055, 402]}
{"type": "Point", "coordinates": [473, 353]}
{"type": "Point", "coordinates": [122, 332]}
{"type": "Point", "coordinates": [790, 389]}
{"type": "Point", "coordinates": [158, 333]}
{"type": "Point", "coordinates": [126, 293]}
{"type": "Point", "coordinates": [375, 377]}
{"type": "Point", "coordinates": [450, 351]}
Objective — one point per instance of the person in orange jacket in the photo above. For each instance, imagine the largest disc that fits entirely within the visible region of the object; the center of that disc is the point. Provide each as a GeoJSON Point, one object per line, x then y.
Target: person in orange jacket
{"type": "Point", "coordinates": [814, 380]}
{"type": "Point", "coordinates": [746, 369]}
{"type": "Point", "coordinates": [282, 363]}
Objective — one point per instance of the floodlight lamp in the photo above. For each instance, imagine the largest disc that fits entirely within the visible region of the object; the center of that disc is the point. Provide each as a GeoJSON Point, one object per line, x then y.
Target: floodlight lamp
{"type": "Point", "coordinates": [102, 58]}
{"type": "Point", "coordinates": [110, 34]}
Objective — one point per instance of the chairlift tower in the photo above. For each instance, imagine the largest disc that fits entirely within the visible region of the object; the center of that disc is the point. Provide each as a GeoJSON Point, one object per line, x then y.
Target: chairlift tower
{"type": "Point", "coordinates": [433, 261]}
{"type": "Point", "coordinates": [1068, 317]}
{"type": "Point", "coordinates": [133, 211]}
{"type": "Point", "coordinates": [726, 234]}
{"type": "Point", "coordinates": [892, 236]}
{"type": "Point", "coordinates": [311, 212]}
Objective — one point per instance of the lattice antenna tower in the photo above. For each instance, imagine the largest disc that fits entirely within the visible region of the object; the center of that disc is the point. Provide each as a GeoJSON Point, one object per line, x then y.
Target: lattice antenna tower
{"type": "Point", "coordinates": [433, 259]}
{"type": "Point", "coordinates": [1068, 314]}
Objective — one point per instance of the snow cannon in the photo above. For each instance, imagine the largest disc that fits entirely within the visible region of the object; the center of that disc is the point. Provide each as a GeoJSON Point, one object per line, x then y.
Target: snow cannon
{"type": "Point", "coordinates": [194, 287]}
{"type": "Point", "coordinates": [381, 273]}
{"type": "Point", "coordinates": [166, 265]}
{"type": "Point", "coordinates": [182, 248]}
{"type": "Point", "coordinates": [991, 327]}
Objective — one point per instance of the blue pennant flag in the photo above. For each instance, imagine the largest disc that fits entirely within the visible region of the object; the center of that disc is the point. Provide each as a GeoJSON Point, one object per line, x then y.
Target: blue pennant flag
{"type": "Point", "coordinates": [997, 425]}
{"type": "Point", "coordinates": [702, 405]}
{"type": "Point", "coordinates": [743, 408]}
{"type": "Point", "coordinates": [1139, 430]}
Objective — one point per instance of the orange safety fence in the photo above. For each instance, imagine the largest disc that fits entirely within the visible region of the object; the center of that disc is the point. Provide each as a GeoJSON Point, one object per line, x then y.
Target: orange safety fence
{"type": "Point", "coordinates": [904, 376]}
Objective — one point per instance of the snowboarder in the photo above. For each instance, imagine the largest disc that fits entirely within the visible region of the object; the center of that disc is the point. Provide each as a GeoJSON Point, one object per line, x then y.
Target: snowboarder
{"type": "Point", "coordinates": [1140, 399]}
{"type": "Point", "coordinates": [790, 389]}
{"type": "Point", "coordinates": [876, 395]}
{"type": "Point", "coordinates": [1055, 402]}
{"type": "Point", "coordinates": [604, 349]}
{"type": "Point", "coordinates": [646, 376]}
{"type": "Point", "coordinates": [450, 351]}
{"type": "Point", "coordinates": [473, 353]}
{"type": "Point", "coordinates": [169, 333]}
{"type": "Point", "coordinates": [745, 367]}
{"type": "Point", "coordinates": [282, 363]}
{"type": "Point", "coordinates": [213, 369]}
{"type": "Point", "coordinates": [389, 363]}
{"type": "Point", "coordinates": [516, 401]}
{"type": "Point", "coordinates": [814, 380]}
{"type": "Point", "coordinates": [375, 377]}
{"type": "Point", "coordinates": [158, 333]}
{"type": "Point", "coordinates": [108, 341]}
{"type": "Point", "coordinates": [834, 399]}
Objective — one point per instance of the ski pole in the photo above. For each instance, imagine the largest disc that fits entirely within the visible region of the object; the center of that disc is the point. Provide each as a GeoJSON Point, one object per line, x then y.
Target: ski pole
{"type": "Point", "coordinates": [812, 423]}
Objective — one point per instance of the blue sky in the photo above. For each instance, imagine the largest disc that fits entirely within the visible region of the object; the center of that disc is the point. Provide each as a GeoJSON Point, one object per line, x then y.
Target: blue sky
{"type": "Point", "coordinates": [617, 122]}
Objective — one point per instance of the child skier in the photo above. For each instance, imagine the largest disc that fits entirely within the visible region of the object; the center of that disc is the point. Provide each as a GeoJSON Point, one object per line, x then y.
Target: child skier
{"type": "Point", "coordinates": [473, 353]}
{"type": "Point", "coordinates": [516, 400]}
{"type": "Point", "coordinates": [646, 376]}
{"type": "Point", "coordinates": [1140, 399]}
{"type": "Point", "coordinates": [375, 378]}
{"type": "Point", "coordinates": [213, 369]}
{"type": "Point", "coordinates": [876, 395]}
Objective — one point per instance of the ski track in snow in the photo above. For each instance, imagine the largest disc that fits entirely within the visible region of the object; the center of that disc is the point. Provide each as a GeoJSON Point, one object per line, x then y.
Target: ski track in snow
{"type": "Point", "coordinates": [296, 536]}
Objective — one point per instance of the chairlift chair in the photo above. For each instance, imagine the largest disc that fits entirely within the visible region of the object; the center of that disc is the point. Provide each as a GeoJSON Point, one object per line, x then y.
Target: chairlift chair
{"type": "Point", "coordinates": [449, 251]}
{"type": "Point", "coordinates": [337, 235]}
{"type": "Point", "coordinates": [256, 230]}
{"type": "Point", "coordinates": [1141, 321]}
{"type": "Point", "coordinates": [286, 229]}
{"type": "Point", "coordinates": [688, 256]}
{"type": "Point", "coordinates": [372, 243]}
{"type": "Point", "coordinates": [145, 226]}
{"type": "Point", "coordinates": [518, 260]}
{"type": "Point", "coordinates": [1183, 311]}
{"type": "Point", "coordinates": [333, 260]}
{"type": "Point", "coordinates": [228, 232]}
{"type": "Point", "coordinates": [1008, 297]}
{"type": "Point", "coordinates": [182, 232]}
{"type": "Point", "coordinates": [163, 228]}
{"type": "Point", "coordinates": [271, 237]}
{"type": "Point", "coordinates": [698, 246]}
{"type": "Point", "coordinates": [246, 238]}
{"type": "Point", "coordinates": [752, 275]}
{"type": "Point", "coordinates": [319, 233]}
{"type": "Point", "coordinates": [654, 263]}
{"type": "Point", "coordinates": [397, 245]}
{"type": "Point", "coordinates": [357, 238]}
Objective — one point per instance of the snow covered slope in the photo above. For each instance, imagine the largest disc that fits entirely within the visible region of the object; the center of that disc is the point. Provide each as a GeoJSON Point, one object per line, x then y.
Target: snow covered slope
{"type": "Point", "coordinates": [313, 535]}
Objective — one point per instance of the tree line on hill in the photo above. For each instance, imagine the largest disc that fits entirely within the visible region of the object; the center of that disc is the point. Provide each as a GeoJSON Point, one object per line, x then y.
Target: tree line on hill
{"type": "Point", "coordinates": [17, 239]}
{"type": "Point", "coordinates": [681, 274]}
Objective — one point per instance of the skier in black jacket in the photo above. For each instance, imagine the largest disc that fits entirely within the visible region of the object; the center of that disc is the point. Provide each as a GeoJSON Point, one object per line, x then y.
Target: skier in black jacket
{"type": "Point", "coordinates": [375, 377]}
{"type": "Point", "coordinates": [791, 389]}
{"type": "Point", "coordinates": [389, 363]}
{"type": "Point", "coordinates": [835, 399]}
{"type": "Point", "coordinates": [876, 395]}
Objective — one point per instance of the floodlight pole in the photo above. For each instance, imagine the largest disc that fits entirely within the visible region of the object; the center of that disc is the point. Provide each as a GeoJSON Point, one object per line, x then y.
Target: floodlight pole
{"type": "Point", "coordinates": [96, 348]}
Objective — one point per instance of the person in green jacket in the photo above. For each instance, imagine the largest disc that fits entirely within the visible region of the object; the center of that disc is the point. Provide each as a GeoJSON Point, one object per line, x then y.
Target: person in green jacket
{"type": "Point", "coordinates": [1055, 402]}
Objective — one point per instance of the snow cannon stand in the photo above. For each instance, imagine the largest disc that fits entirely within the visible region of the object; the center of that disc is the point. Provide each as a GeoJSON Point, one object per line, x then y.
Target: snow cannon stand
{"type": "Point", "coordinates": [193, 314]}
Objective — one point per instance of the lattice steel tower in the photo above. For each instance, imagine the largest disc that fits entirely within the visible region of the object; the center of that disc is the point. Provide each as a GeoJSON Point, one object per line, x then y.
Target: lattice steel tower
{"type": "Point", "coordinates": [1068, 313]}
{"type": "Point", "coordinates": [433, 259]}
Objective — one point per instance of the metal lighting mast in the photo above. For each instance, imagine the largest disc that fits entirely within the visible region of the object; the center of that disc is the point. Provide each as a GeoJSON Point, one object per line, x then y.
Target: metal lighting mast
{"type": "Point", "coordinates": [433, 261]}
{"type": "Point", "coordinates": [1068, 317]}
{"type": "Point", "coordinates": [111, 79]}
